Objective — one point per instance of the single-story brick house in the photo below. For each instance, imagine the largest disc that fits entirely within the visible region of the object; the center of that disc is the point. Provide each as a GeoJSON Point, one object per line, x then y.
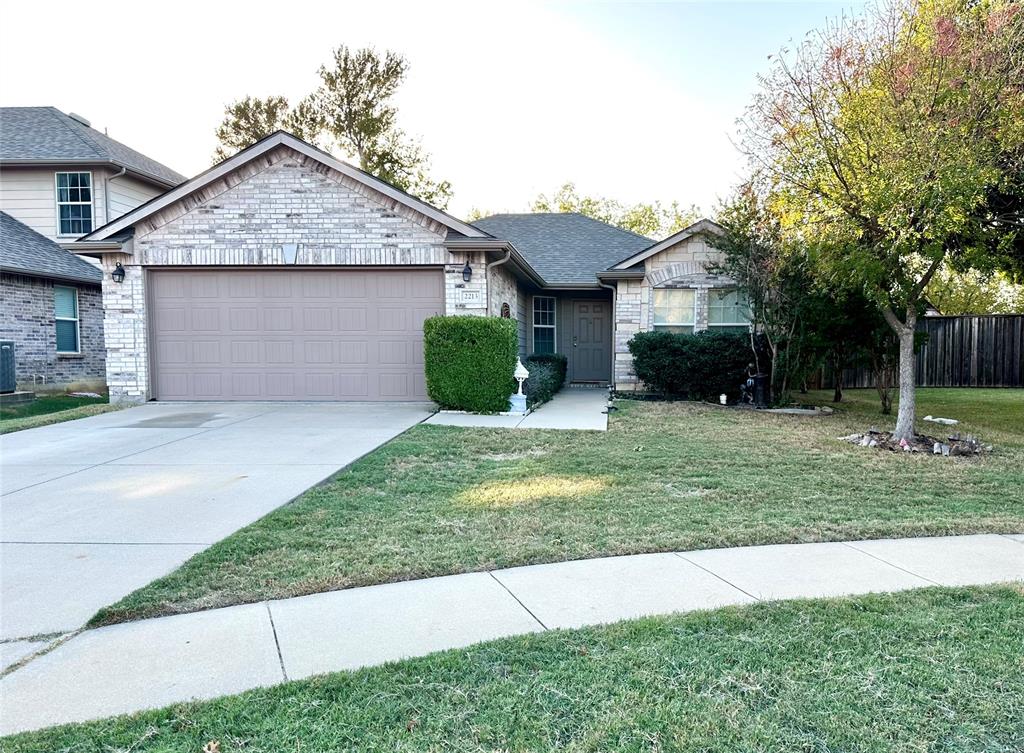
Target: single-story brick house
{"type": "Point", "coordinates": [283, 273]}
{"type": "Point", "coordinates": [52, 310]}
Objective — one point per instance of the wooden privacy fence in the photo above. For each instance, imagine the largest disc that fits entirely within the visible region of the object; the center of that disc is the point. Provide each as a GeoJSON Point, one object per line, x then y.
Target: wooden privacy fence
{"type": "Point", "coordinates": [961, 351]}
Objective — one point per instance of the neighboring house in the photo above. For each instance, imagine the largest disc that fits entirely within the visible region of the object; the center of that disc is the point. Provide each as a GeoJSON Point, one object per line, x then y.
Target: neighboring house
{"type": "Point", "coordinates": [60, 179]}
{"type": "Point", "coordinates": [51, 308]}
{"type": "Point", "coordinates": [283, 273]}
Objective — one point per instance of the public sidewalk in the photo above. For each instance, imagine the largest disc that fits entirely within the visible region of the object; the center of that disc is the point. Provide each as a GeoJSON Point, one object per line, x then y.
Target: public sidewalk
{"type": "Point", "coordinates": [152, 663]}
{"type": "Point", "coordinates": [583, 408]}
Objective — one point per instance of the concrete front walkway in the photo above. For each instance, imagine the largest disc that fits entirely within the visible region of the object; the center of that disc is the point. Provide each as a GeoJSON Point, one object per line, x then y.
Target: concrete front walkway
{"type": "Point", "coordinates": [156, 662]}
{"type": "Point", "coordinates": [95, 508]}
{"type": "Point", "coordinates": [583, 408]}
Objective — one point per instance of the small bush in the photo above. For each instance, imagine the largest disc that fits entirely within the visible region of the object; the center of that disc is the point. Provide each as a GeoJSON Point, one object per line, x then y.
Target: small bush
{"type": "Point", "coordinates": [547, 375]}
{"type": "Point", "coordinates": [700, 366]}
{"type": "Point", "coordinates": [469, 361]}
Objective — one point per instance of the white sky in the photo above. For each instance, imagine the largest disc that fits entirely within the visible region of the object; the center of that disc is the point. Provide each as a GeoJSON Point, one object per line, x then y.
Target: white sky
{"type": "Point", "coordinates": [633, 102]}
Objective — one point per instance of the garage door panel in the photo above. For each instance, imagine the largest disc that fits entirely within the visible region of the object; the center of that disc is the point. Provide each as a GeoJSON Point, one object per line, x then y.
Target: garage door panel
{"type": "Point", "coordinates": [205, 319]}
{"type": "Point", "coordinates": [329, 334]}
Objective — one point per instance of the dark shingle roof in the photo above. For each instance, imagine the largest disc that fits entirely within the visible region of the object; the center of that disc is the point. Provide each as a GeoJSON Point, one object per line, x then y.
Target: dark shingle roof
{"type": "Point", "coordinates": [565, 247]}
{"type": "Point", "coordinates": [45, 134]}
{"type": "Point", "coordinates": [23, 250]}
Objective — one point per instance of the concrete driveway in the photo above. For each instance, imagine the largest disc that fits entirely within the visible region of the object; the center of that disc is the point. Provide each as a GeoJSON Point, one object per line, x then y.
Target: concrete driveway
{"type": "Point", "coordinates": [95, 508]}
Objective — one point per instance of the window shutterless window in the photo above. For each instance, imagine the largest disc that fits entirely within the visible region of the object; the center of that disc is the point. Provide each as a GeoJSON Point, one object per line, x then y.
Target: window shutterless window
{"type": "Point", "coordinates": [65, 310]}
{"type": "Point", "coordinates": [543, 324]}
{"type": "Point", "coordinates": [74, 203]}
{"type": "Point", "coordinates": [675, 309]}
{"type": "Point", "coordinates": [728, 310]}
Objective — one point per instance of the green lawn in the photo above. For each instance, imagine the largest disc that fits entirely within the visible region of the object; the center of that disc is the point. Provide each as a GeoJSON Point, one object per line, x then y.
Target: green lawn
{"type": "Point", "coordinates": [931, 670]}
{"type": "Point", "coordinates": [666, 476]}
{"type": "Point", "coordinates": [50, 409]}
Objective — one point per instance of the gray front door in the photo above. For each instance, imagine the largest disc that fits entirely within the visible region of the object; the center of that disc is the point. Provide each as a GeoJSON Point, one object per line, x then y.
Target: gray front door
{"type": "Point", "coordinates": [284, 334]}
{"type": "Point", "coordinates": [590, 359]}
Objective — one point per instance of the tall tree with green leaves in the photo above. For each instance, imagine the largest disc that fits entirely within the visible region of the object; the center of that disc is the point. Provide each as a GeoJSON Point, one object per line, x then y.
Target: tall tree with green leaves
{"type": "Point", "coordinates": [351, 111]}
{"type": "Point", "coordinates": [886, 137]}
{"type": "Point", "coordinates": [249, 119]}
{"type": "Point", "coordinates": [653, 220]}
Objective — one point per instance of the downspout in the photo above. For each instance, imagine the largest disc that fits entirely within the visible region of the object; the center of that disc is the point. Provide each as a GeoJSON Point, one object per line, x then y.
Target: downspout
{"type": "Point", "coordinates": [106, 192]}
{"type": "Point", "coordinates": [615, 324]}
{"type": "Point", "coordinates": [487, 276]}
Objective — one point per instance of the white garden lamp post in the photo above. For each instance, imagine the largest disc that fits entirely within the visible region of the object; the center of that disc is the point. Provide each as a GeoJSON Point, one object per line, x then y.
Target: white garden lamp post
{"type": "Point", "coordinates": [517, 403]}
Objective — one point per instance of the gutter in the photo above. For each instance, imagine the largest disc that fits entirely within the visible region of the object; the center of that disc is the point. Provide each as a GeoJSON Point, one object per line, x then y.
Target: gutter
{"type": "Point", "coordinates": [615, 324]}
{"type": "Point", "coordinates": [487, 273]}
{"type": "Point", "coordinates": [106, 192]}
{"type": "Point", "coordinates": [148, 177]}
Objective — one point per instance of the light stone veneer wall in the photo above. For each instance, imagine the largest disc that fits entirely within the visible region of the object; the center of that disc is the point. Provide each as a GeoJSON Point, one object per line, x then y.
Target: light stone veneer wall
{"type": "Point", "coordinates": [503, 288]}
{"type": "Point", "coordinates": [246, 218]}
{"type": "Point", "coordinates": [683, 265]}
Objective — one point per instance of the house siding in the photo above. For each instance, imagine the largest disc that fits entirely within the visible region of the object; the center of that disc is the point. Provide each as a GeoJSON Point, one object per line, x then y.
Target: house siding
{"type": "Point", "coordinates": [29, 194]}
{"type": "Point", "coordinates": [683, 265]}
{"type": "Point", "coordinates": [124, 193]}
{"type": "Point", "coordinates": [27, 318]}
{"type": "Point", "coordinates": [246, 217]}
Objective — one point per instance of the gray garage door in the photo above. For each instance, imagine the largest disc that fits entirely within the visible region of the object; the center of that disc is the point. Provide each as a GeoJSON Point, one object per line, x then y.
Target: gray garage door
{"type": "Point", "coordinates": [309, 334]}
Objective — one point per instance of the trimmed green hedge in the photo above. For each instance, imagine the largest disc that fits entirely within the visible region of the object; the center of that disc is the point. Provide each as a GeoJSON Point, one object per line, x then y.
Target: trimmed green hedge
{"type": "Point", "coordinates": [547, 375]}
{"type": "Point", "coordinates": [700, 366]}
{"type": "Point", "coordinates": [470, 361]}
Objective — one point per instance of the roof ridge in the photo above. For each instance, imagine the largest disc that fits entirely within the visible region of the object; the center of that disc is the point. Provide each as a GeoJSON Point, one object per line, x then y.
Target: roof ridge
{"type": "Point", "coordinates": [64, 118]}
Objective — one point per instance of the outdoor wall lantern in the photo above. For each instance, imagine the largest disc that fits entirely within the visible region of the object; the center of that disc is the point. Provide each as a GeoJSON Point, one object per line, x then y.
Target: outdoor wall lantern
{"type": "Point", "coordinates": [118, 274]}
{"type": "Point", "coordinates": [467, 273]}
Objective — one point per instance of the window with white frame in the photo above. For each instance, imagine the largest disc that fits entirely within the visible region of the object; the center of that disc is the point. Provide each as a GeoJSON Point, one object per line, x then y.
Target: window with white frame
{"type": "Point", "coordinates": [65, 310]}
{"type": "Point", "coordinates": [675, 309]}
{"type": "Point", "coordinates": [74, 203]}
{"type": "Point", "coordinates": [543, 324]}
{"type": "Point", "coordinates": [728, 310]}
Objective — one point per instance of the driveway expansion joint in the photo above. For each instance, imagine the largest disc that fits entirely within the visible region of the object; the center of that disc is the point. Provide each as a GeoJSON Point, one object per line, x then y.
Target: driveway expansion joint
{"type": "Point", "coordinates": [729, 583]}
{"type": "Point", "coordinates": [890, 564]}
{"type": "Point", "coordinates": [277, 642]}
{"type": "Point", "coordinates": [518, 600]}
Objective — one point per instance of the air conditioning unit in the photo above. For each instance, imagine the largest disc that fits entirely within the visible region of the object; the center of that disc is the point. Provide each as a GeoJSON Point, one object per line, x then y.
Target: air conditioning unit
{"type": "Point", "coordinates": [8, 382]}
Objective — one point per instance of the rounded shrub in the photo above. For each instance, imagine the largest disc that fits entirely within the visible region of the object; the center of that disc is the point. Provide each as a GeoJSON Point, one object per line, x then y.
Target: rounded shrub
{"type": "Point", "coordinates": [700, 366]}
{"type": "Point", "coordinates": [469, 362]}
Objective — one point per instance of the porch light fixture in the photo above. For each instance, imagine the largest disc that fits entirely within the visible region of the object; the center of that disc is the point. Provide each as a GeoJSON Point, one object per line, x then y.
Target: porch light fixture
{"type": "Point", "coordinates": [118, 274]}
{"type": "Point", "coordinates": [467, 273]}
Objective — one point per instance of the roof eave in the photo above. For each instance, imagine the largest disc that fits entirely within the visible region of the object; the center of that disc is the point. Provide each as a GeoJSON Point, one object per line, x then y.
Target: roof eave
{"type": "Point", "coordinates": [621, 274]}
{"type": "Point", "coordinates": [148, 177]}
{"type": "Point", "coordinates": [8, 269]}
{"type": "Point", "coordinates": [703, 225]}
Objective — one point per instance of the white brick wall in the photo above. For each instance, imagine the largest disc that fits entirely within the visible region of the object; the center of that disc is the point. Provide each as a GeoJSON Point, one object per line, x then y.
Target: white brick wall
{"type": "Point", "coordinates": [246, 217]}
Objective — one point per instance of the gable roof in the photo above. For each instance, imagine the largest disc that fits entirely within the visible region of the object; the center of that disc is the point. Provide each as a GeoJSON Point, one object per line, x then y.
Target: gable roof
{"type": "Point", "coordinates": [264, 145]}
{"type": "Point", "coordinates": [564, 247]}
{"type": "Point", "coordinates": [700, 226]}
{"type": "Point", "coordinates": [46, 135]}
{"type": "Point", "coordinates": [24, 251]}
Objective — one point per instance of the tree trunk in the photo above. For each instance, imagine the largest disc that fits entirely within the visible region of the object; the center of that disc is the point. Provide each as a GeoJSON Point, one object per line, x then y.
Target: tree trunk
{"type": "Point", "coordinates": [837, 377]}
{"type": "Point", "coordinates": [905, 415]}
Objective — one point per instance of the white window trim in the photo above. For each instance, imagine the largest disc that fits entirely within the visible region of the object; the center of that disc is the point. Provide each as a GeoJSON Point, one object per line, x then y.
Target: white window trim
{"type": "Point", "coordinates": [692, 325]}
{"type": "Point", "coordinates": [58, 202]}
{"type": "Point", "coordinates": [724, 324]}
{"type": "Point", "coordinates": [77, 320]}
{"type": "Point", "coordinates": [552, 327]}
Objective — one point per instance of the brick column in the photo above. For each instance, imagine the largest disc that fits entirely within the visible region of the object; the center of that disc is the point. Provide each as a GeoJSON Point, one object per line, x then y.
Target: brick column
{"type": "Point", "coordinates": [125, 333]}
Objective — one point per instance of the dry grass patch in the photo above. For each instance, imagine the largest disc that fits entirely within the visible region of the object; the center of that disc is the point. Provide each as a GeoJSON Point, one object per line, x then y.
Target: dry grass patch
{"type": "Point", "coordinates": [530, 490]}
